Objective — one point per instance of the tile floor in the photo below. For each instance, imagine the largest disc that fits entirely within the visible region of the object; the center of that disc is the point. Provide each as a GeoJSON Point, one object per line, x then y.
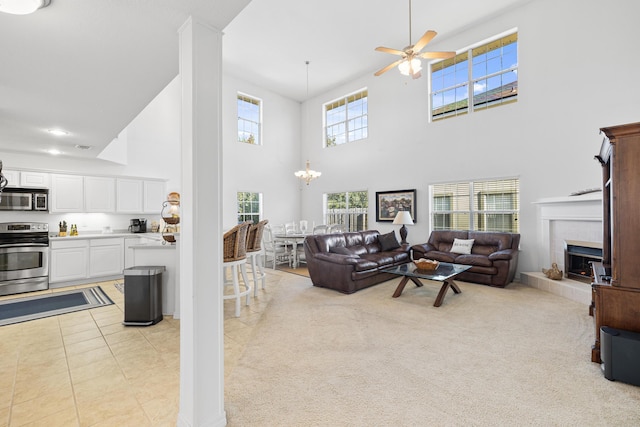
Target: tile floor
{"type": "Point", "coordinates": [87, 369]}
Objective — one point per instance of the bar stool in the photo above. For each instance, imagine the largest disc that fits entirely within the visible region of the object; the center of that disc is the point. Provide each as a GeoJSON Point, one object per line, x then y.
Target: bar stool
{"type": "Point", "coordinates": [234, 255]}
{"type": "Point", "coordinates": [255, 252]}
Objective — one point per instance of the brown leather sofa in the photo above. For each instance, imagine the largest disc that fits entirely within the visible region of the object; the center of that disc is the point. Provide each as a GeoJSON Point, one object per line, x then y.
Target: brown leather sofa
{"type": "Point", "coordinates": [493, 258]}
{"type": "Point", "coordinates": [348, 262]}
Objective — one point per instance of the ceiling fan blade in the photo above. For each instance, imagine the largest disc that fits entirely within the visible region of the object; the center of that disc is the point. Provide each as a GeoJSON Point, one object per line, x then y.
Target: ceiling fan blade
{"type": "Point", "coordinates": [389, 50]}
{"type": "Point", "coordinates": [426, 38]}
{"type": "Point", "coordinates": [437, 55]}
{"type": "Point", "coordinates": [388, 67]}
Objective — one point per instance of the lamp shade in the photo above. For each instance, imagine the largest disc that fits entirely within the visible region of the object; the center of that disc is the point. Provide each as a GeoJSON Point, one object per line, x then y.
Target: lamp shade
{"type": "Point", "coordinates": [403, 218]}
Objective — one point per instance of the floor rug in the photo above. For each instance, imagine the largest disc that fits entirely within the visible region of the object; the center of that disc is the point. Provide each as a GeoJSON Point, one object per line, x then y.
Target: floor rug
{"type": "Point", "coordinates": [300, 271]}
{"type": "Point", "coordinates": [39, 306]}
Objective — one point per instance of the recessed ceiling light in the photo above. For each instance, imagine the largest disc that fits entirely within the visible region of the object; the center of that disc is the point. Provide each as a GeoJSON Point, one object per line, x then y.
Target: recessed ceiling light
{"type": "Point", "coordinates": [58, 132]}
{"type": "Point", "coordinates": [83, 147]}
{"type": "Point", "coordinates": [54, 152]}
{"type": "Point", "coordinates": [22, 7]}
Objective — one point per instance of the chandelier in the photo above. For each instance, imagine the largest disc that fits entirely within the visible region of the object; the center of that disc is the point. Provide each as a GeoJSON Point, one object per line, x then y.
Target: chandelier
{"type": "Point", "coordinates": [307, 175]}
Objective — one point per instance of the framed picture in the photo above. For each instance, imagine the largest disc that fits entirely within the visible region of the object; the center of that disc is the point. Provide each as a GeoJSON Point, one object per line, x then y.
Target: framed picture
{"type": "Point", "coordinates": [389, 203]}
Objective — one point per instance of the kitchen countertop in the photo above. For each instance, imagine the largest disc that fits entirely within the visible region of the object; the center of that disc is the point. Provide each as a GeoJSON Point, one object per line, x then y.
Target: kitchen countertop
{"type": "Point", "coordinates": [99, 235]}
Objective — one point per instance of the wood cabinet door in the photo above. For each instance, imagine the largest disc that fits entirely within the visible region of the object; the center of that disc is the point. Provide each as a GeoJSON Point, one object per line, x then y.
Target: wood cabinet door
{"type": "Point", "coordinates": [99, 194]}
{"type": "Point", "coordinates": [129, 194]}
{"type": "Point", "coordinates": [67, 193]}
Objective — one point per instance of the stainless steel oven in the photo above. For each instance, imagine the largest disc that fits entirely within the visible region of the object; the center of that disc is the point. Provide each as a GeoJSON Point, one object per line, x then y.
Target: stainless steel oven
{"type": "Point", "coordinates": [24, 257]}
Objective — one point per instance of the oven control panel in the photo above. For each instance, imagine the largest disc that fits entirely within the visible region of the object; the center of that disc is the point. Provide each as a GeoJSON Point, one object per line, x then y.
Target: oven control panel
{"type": "Point", "coordinates": [24, 227]}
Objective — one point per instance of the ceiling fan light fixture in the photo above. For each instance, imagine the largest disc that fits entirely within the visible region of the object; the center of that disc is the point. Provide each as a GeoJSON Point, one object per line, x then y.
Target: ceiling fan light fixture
{"type": "Point", "coordinates": [410, 68]}
{"type": "Point", "coordinates": [22, 7]}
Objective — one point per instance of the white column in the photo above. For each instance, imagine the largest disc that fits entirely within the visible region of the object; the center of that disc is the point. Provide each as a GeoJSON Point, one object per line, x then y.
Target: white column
{"type": "Point", "coordinates": [201, 314]}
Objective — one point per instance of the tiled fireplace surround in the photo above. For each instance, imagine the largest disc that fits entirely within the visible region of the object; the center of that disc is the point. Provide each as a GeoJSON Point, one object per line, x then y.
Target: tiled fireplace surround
{"type": "Point", "coordinates": [560, 219]}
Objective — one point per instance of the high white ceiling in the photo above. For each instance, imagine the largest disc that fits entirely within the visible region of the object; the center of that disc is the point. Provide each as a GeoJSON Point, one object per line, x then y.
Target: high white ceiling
{"type": "Point", "coordinates": [90, 66]}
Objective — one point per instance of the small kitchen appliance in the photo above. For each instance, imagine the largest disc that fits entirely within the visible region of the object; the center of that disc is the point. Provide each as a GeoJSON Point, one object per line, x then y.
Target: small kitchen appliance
{"type": "Point", "coordinates": [138, 225]}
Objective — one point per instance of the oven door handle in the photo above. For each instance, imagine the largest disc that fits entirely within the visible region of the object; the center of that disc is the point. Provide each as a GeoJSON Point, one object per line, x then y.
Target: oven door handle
{"type": "Point", "coordinates": [24, 245]}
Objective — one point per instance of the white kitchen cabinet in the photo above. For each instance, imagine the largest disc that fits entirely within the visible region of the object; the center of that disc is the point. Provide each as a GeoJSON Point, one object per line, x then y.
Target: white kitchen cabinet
{"type": "Point", "coordinates": [16, 178]}
{"type": "Point", "coordinates": [34, 179]}
{"type": "Point", "coordinates": [69, 260]}
{"type": "Point", "coordinates": [67, 193]}
{"type": "Point", "coordinates": [129, 195]}
{"type": "Point", "coordinates": [12, 177]}
{"type": "Point", "coordinates": [99, 194]}
{"type": "Point", "coordinates": [106, 257]}
{"type": "Point", "coordinates": [154, 195]}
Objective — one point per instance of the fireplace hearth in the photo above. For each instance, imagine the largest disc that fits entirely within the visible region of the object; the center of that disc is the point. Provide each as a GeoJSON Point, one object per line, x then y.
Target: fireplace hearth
{"type": "Point", "coordinates": [578, 257]}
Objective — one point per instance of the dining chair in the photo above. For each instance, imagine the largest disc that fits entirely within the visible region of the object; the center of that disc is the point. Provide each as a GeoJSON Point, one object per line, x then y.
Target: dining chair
{"type": "Point", "coordinates": [290, 228]}
{"type": "Point", "coordinates": [277, 248]}
{"type": "Point", "coordinates": [320, 229]}
{"type": "Point", "coordinates": [337, 228]}
{"type": "Point", "coordinates": [234, 256]}
{"type": "Point", "coordinates": [255, 252]}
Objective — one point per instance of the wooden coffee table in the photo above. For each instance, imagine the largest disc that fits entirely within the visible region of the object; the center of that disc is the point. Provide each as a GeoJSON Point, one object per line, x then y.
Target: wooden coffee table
{"type": "Point", "coordinates": [444, 273]}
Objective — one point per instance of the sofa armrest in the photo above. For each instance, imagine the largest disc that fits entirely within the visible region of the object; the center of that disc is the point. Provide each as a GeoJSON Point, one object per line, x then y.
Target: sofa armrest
{"type": "Point", "coordinates": [506, 254]}
{"type": "Point", "coordinates": [404, 247]}
{"type": "Point", "coordinates": [423, 247]}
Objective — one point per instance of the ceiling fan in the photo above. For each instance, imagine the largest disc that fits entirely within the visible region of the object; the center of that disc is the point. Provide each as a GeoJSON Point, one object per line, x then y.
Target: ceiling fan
{"type": "Point", "coordinates": [410, 64]}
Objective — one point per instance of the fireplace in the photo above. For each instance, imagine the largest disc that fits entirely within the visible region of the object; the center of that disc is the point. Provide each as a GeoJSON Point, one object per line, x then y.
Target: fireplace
{"type": "Point", "coordinates": [577, 258]}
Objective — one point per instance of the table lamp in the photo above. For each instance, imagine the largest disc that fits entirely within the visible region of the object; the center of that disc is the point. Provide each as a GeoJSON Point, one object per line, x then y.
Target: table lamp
{"type": "Point", "coordinates": [403, 218]}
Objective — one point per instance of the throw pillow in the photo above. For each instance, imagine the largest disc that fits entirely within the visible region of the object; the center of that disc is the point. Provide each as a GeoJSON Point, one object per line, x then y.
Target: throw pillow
{"type": "Point", "coordinates": [388, 241]}
{"type": "Point", "coordinates": [341, 250]}
{"type": "Point", "coordinates": [462, 246]}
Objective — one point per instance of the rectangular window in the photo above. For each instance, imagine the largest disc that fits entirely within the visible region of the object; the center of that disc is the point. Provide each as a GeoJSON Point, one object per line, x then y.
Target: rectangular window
{"type": "Point", "coordinates": [249, 207]}
{"type": "Point", "coordinates": [249, 119]}
{"type": "Point", "coordinates": [489, 80]}
{"type": "Point", "coordinates": [489, 205]}
{"type": "Point", "coordinates": [349, 208]}
{"type": "Point", "coordinates": [346, 119]}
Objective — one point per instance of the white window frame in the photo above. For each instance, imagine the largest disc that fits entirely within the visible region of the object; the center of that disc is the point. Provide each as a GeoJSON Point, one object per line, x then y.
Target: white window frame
{"type": "Point", "coordinates": [351, 133]}
{"type": "Point", "coordinates": [460, 207]}
{"type": "Point", "coordinates": [466, 88]}
{"type": "Point", "coordinates": [347, 216]}
{"type": "Point", "coordinates": [255, 101]}
{"type": "Point", "coordinates": [252, 213]}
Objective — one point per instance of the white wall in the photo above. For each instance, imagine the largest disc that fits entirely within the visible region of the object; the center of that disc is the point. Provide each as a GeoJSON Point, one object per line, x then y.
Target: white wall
{"type": "Point", "coordinates": [577, 73]}
{"type": "Point", "coordinates": [267, 168]}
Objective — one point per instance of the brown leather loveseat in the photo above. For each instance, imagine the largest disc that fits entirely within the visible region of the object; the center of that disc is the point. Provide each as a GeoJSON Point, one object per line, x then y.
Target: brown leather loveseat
{"type": "Point", "coordinates": [493, 256]}
{"type": "Point", "coordinates": [348, 262]}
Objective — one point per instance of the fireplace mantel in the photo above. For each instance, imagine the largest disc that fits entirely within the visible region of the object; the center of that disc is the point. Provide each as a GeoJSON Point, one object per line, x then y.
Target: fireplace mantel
{"type": "Point", "coordinates": [587, 207]}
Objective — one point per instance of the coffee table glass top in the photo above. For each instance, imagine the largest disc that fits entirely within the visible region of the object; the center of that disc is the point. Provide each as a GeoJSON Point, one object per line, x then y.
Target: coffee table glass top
{"type": "Point", "coordinates": [444, 271]}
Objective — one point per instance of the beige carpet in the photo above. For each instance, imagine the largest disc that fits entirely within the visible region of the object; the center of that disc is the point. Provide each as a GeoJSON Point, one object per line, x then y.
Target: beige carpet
{"type": "Point", "coordinates": [513, 357]}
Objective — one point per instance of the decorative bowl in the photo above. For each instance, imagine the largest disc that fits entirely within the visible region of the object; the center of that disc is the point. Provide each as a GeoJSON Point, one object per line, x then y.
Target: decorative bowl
{"type": "Point", "coordinates": [426, 264]}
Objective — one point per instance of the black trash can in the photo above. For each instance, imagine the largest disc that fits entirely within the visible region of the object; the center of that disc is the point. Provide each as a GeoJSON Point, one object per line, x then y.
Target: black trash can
{"type": "Point", "coordinates": [143, 295]}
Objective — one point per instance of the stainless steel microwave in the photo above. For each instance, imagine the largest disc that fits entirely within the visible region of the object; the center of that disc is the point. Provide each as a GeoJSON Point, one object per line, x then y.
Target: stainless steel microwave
{"type": "Point", "coordinates": [24, 199]}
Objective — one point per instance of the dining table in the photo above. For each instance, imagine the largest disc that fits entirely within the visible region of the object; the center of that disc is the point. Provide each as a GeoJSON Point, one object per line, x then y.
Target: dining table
{"type": "Point", "coordinates": [294, 239]}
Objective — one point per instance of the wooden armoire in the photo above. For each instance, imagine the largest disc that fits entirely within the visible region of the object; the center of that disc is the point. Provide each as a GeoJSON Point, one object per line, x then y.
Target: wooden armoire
{"type": "Point", "coordinates": [616, 286]}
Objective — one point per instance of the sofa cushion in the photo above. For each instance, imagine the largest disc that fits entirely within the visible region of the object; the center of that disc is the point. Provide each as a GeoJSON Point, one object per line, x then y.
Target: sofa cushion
{"type": "Point", "coordinates": [382, 259]}
{"type": "Point", "coordinates": [388, 241]}
{"type": "Point", "coordinates": [365, 265]}
{"type": "Point", "coordinates": [472, 259]}
{"type": "Point", "coordinates": [342, 251]}
{"type": "Point", "coordinates": [440, 256]}
{"type": "Point", "coordinates": [462, 246]}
